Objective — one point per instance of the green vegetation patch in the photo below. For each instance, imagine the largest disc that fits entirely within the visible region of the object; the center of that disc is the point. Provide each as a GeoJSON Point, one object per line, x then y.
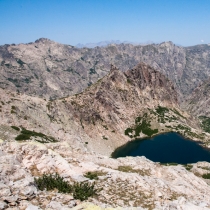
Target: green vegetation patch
{"type": "Point", "coordinates": [161, 113]}
{"type": "Point", "coordinates": [92, 71]}
{"type": "Point", "coordinates": [205, 123]}
{"type": "Point", "coordinates": [27, 134]}
{"type": "Point", "coordinates": [129, 169]}
{"type": "Point", "coordinates": [206, 176]}
{"type": "Point", "coordinates": [13, 110]}
{"type": "Point", "coordinates": [177, 113]}
{"type": "Point", "coordinates": [182, 127]}
{"type": "Point", "coordinates": [184, 130]}
{"type": "Point", "coordinates": [81, 191]}
{"type": "Point", "coordinates": [15, 128]}
{"type": "Point", "coordinates": [187, 166]}
{"type": "Point", "coordinates": [20, 62]}
{"type": "Point", "coordinates": [141, 125]}
{"type": "Point", "coordinates": [162, 110]}
{"type": "Point", "coordinates": [125, 169]}
{"type": "Point", "coordinates": [94, 174]}
{"type": "Point", "coordinates": [51, 182]}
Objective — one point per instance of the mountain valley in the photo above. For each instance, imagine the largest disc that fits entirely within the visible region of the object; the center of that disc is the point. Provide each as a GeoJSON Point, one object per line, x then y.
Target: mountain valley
{"type": "Point", "coordinates": [65, 110]}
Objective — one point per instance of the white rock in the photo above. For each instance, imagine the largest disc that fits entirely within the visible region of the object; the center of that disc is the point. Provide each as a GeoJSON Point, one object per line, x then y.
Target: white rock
{"type": "Point", "coordinates": [79, 178]}
{"type": "Point", "coordinates": [32, 207]}
{"type": "Point", "coordinates": [54, 205]}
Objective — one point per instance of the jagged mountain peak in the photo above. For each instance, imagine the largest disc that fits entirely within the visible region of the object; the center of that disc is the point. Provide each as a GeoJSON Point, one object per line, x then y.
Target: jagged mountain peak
{"type": "Point", "coordinates": [43, 40]}
{"type": "Point", "coordinates": [167, 43]}
{"type": "Point", "coordinates": [140, 78]}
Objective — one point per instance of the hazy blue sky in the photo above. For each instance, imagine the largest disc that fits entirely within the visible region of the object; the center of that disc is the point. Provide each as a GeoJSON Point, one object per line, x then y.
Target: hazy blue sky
{"type": "Point", "coordinates": [185, 22]}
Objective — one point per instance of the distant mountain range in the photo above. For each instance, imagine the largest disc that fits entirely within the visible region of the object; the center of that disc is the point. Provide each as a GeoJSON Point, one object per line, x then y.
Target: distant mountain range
{"type": "Point", "coordinates": [105, 43]}
{"type": "Point", "coordinates": [52, 70]}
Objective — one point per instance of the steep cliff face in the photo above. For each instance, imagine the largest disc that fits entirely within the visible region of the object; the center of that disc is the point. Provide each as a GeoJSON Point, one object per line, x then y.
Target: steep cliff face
{"type": "Point", "coordinates": [198, 102]}
{"type": "Point", "coordinates": [51, 70]}
{"type": "Point", "coordinates": [119, 92]}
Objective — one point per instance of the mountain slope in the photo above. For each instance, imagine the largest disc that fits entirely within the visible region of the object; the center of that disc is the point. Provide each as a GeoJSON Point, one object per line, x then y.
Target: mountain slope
{"type": "Point", "coordinates": [51, 70]}
{"type": "Point", "coordinates": [137, 103]}
{"type": "Point", "coordinates": [118, 108]}
{"type": "Point", "coordinates": [198, 102]}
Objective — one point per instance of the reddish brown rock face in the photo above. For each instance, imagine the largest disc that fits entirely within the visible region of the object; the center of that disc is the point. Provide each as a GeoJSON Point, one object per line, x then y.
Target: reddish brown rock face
{"type": "Point", "coordinates": [139, 88]}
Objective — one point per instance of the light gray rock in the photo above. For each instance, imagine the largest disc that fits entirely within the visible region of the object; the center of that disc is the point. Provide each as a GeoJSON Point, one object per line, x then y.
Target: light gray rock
{"type": "Point", "coordinates": [32, 207]}
{"type": "Point", "coordinates": [4, 190]}
{"type": "Point", "coordinates": [2, 205]}
{"type": "Point", "coordinates": [54, 205]}
{"type": "Point", "coordinates": [71, 204]}
{"type": "Point", "coordinates": [79, 178]}
{"type": "Point", "coordinates": [28, 190]}
{"type": "Point", "coordinates": [11, 199]}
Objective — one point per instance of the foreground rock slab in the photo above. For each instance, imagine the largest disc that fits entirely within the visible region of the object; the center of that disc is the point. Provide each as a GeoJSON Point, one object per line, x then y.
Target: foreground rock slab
{"type": "Point", "coordinates": [125, 183]}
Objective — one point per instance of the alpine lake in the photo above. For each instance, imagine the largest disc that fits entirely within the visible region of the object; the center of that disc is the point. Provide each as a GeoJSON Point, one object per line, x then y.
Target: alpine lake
{"type": "Point", "coordinates": [165, 148]}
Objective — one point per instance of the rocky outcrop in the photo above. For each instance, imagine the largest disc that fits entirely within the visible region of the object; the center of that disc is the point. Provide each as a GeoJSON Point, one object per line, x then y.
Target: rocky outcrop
{"type": "Point", "coordinates": [130, 183]}
{"type": "Point", "coordinates": [198, 102]}
{"type": "Point", "coordinates": [51, 70]}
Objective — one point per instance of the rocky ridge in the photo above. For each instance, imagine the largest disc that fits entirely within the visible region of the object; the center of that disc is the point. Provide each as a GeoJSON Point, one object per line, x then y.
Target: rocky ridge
{"type": "Point", "coordinates": [198, 102]}
{"type": "Point", "coordinates": [50, 70]}
{"type": "Point", "coordinates": [106, 115]}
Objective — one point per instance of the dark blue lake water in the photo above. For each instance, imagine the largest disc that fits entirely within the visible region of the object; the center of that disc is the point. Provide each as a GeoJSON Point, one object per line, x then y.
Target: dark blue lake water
{"type": "Point", "coordinates": [165, 148]}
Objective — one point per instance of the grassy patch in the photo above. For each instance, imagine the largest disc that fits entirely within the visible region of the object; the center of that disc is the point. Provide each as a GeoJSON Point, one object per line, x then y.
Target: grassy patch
{"type": "Point", "coordinates": [51, 182]}
{"type": "Point", "coordinates": [92, 71]}
{"type": "Point", "coordinates": [206, 176]}
{"type": "Point", "coordinates": [81, 191]}
{"type": "Point", "coordinates": [125, 169]}
{"type": "Point", "coordinates": [162, 110]}
{"type": "Point", "coordinates": [188, 167]}
{"type": "Point", "coordinates": [27, 134]}
{"type": "Point", "coordinates": [204, 168]}
{"type": "Point", "coordinates": [177, 113]}
{"type": "Point", "coordinates": [205, 123]}
{"type": "Point", "coordinates": [141, 125]}
{"type": "Point", "coordinates": [15, 128]}
{"type": "Point", "coordinates": [129, 169]}
{"type": "Point", "coordinates": [94, 174]}
{"type": "Point", "coordinates": [13, 110]}
{"type": "Point", "coordinates": [20, 62]}
{"type": "Point", "coordinates": [162, 117]}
